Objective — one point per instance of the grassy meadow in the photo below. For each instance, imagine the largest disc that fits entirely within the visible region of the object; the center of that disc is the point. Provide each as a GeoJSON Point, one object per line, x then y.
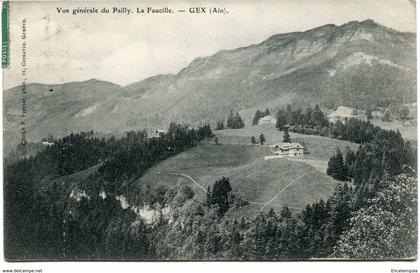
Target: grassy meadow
{"type": "Point", "coordinates": [256, 179]}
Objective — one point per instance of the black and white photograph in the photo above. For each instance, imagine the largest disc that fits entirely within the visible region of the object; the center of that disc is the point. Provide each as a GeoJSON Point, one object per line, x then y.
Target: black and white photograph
{"type": "Point", "coordinates": [234, 131]}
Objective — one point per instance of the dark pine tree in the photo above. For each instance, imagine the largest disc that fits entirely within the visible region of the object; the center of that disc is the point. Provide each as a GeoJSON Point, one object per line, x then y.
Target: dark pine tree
{"type": "Point", "coordinates": [285, 213]}
{"type": "Point", "coordinates": [350, 157]}
{"type": "Point", "coordinates": [219, 195]}
{"type": "Point", "coordinates": [235, 121]}
{"type": "Point", "coordinates": [208, 196]}
{"type": "Point", "coordinates": [238, 122]}
{"type": "Point", "coordinates": [336, 167]}
{"type": "Point", "coordinates": [331, 165]}
{"type": "Point", "coordinates": [229, 121]}
{"type": "Point", "coordinates": [286, 137]}
{"type": "Point", "coordinates": [257, 117]}
{"type": "Point", "coordinates": [262, 139]}
{"type": "Point", "coordinates": [220, 125]}
{"type": "Point", "coordinates": [281, 122]}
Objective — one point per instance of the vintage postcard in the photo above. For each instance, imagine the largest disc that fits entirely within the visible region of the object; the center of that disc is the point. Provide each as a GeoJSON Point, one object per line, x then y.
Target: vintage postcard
{"type": "Point", "coordinates": [275, 130]}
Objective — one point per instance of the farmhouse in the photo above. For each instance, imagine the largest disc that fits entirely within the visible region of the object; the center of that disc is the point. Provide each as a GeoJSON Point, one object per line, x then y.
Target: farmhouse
{"type": "Point", "coordinates": [267, 120]}
{"type": "Point", "coordinates": [287, 149]}
{"type": "Point", "coordinates": [159, 133]}
{"type": "Point", "coordinates": [156, 133]}
{"type": "Point", "coordinates": [343, 112]}
{"type": "Point", "coordinates": [46, 143]}
{"type": "Point", "coordinates": [377, 114]}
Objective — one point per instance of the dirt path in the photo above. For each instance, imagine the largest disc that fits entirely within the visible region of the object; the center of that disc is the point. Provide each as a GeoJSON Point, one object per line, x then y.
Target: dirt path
{"type": "Point", "coordinates": [186, 176]}
{"type": "Point", "coordinates": [273, 205]}
{"type": "Point", "coordinates": [291, 182]}
{"type": "Point", "coordinates": [252, 203]}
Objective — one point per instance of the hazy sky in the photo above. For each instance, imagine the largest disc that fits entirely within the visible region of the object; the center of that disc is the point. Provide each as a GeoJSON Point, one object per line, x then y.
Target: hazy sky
{"type": "Point", "coordinates": [127, 48]}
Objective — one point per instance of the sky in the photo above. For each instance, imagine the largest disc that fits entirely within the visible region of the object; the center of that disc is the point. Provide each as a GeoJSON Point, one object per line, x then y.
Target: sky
{"type": "Point", "coordinates": [124, 48]}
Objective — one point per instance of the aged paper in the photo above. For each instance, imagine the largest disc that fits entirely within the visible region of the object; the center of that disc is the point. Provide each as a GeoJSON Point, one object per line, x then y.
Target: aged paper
{"type": "Point", "coordinates": [209, 131]}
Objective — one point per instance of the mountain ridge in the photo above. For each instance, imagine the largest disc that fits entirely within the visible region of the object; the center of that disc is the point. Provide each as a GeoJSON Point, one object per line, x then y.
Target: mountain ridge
{"type": "Point", "coordinates": [367, 21]}
{"type": "Point", "coordinates": [356, 64]}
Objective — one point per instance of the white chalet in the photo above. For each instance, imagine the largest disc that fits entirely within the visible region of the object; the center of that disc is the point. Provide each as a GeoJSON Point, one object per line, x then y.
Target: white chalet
{"type": "Point", "coordinates": [287, 149]}
{"type": "Point", "coordinates": [157, 133]}
{"type": "Point", "coordinates": [267, 120]}
{"type": "Point", "coordinates": [377, 114]}
{"type": "Point", "coordinates": [46, 143]}
{"type": "Point", "coordinates": [343, 112]}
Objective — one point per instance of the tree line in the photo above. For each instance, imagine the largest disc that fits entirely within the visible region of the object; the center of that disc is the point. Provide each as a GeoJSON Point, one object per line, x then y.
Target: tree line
{"type": "Point", "coordinates": [37, 204]}
{"type": "Point", "coordinates": [313, 121]}
{"type": "Point", "coordinates": [311, 118]}
{"type": "Point", "coordinates": [234, 121]}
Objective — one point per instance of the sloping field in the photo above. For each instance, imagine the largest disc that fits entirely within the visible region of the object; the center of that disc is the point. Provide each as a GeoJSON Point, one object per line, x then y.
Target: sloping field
{"type": "Point", "coordinates": [205, 163]}
{"type": "Point", "coordinates": [293, 182]}
{"type": "Point", "coordinates": [320, 148]}
{"type": "Point", "coordinates": [258, 180]}
{"type": "Point", "coordinates": [408, 132]}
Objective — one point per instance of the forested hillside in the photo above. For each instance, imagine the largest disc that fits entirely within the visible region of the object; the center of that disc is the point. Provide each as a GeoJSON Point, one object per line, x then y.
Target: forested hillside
{"type": "Point", "coordinates": [107, 215]}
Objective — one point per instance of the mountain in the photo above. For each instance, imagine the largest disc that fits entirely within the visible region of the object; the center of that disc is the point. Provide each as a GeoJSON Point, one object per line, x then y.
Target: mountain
{"type": "Point", "coordinates": [358, 64]}
{"type": "Point", "coordinates": [56, 109]}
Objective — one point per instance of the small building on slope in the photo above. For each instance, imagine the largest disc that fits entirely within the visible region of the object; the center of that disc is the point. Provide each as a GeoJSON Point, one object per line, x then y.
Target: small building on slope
{"type": "Point", "coordinates": [267, 120]}
{"type": "Point", "coordinates": [156, 133]}
{"type": "Point", "coordinates": [46, 143]}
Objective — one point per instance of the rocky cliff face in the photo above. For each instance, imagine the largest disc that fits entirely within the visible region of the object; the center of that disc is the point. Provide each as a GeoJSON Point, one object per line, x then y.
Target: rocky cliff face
{"type": "Point", "coordinates": [359, 64]}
